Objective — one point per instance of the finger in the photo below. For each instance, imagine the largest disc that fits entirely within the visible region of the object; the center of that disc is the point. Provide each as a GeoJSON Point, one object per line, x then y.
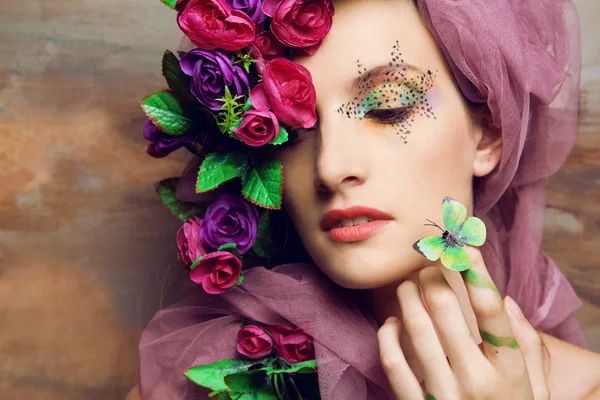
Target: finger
{"type": "Point", "coordinates": [402, 380]}
{"type": "Point", "coordinates": [499, 343]}
{"type": "Point", "coordinates": [464, 354]}
{"type": "Point", "coordinates": [421, 332]}
{"type": "Point", "coordinates": [531, 348]}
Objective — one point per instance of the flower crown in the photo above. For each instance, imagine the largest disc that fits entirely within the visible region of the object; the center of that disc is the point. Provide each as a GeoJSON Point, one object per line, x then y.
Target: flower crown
{"type": "Point", "coordinates": [230, 100]}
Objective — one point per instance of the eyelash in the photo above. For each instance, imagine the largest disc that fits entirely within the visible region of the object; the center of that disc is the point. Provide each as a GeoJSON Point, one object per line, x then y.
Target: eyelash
{"type": "Point", "coordinates": [387, 116]}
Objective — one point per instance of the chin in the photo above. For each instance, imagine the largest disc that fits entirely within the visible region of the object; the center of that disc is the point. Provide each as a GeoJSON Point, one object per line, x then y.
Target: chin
{"type": "Point", "coordinates": [364, 269]}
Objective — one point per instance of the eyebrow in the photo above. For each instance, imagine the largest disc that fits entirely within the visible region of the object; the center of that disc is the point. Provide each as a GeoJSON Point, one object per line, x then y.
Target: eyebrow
{"type": "Point", "coordinates": [390, 69]}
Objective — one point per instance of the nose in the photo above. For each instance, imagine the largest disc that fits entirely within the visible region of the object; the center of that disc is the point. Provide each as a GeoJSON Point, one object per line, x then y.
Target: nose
{"type": "Point", "coordinates": [342, 159]}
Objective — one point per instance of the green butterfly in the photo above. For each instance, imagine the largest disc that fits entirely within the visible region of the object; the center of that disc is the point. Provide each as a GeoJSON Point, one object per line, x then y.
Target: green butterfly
{"type": "Point", "coordinates": [458, 231]}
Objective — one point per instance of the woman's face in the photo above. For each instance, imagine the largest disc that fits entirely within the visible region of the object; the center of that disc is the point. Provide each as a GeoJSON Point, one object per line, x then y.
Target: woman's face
{"type": "Point", "coordinates": [393, 134]}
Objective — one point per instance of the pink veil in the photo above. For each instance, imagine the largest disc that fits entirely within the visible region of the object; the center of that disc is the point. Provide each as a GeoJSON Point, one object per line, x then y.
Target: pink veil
{"type": "Point", "coordinates": [522, 58]}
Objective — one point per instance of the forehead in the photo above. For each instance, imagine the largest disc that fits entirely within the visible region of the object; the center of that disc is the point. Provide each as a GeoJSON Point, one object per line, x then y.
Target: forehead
{"type": "Point", "coordinates": [370, 33]}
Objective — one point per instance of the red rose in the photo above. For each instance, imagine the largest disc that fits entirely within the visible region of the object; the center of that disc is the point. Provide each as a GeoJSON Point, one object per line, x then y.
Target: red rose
{"type": "Point", "coordinates": [254, 342]}
{"type": "Point", "coordinates": [217, 272]}
{"type": "Point", "coordinates": [268, 46]}
{"type": "Point", "coordinates": [188, 241]}
{"type": "Point", "coordinates": [212, 24]}
{"type": "Point", "coordinates": [300, 23]}
{"type": "Point", "coordinates": [292, 343]}
{"type": "Point", "coordinates": [291, 93]}
{"type": "Point", "coordinates": [257, 128]}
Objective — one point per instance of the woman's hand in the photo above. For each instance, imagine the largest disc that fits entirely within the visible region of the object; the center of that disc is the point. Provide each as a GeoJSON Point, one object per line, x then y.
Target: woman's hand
{"type": "Point", "coordinates": [508, 364]}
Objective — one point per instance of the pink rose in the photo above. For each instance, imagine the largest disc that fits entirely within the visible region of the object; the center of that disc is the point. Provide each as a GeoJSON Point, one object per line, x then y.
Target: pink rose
{"type": "Point", "coordinates": [300, 23]}
{"type": "Point", "coordinates": [292, 343]}
{"type": "Point", "coordinates": [268, 46]}
{"type": "Point", "coordinates": [189, 243]}
{"type": "Point", "coordinates": [254, 342]}
{"type": "Point", "coordinates": [257, 128]}
{"type": "Point", "coordinates": [217, 272]}
{"type": "Point", "coordinates": [212, 24]}
{"type": "Point", "coordinates": [290, 92]}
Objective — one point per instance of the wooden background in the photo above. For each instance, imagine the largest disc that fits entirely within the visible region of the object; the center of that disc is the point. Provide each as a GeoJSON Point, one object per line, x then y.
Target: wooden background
{"type": "Point", "coordinates": [86, 252]}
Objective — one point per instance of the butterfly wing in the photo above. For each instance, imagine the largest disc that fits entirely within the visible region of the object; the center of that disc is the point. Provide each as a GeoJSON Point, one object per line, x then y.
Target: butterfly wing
{"type": "Point", "coordinates": [456, 258]}
{"type": "Point", "coordinates": [472, 232]}
{"type": "Point", "coordinates": [431, 247]}
{"type": "Point", "coordinates": [454, 214]}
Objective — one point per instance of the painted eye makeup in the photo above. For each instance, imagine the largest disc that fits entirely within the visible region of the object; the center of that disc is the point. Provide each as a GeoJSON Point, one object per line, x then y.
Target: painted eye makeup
{"type": "Point", "coordinates": [393, 94]}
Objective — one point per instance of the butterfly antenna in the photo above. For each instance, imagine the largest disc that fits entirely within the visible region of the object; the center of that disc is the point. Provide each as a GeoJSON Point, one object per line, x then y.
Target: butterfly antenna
{"type": "Point", "coordinates": [433, 224]}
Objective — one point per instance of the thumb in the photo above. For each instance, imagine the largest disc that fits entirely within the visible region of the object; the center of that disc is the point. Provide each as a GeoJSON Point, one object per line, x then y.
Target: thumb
{"type": "Point", "coordinates": [530, 343]}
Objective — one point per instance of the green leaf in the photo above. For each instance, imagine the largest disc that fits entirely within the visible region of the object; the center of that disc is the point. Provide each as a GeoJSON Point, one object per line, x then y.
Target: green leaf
{"type": "Point", "coordinates": [181, 53]}
{"type": "Point", "coordinates": [240, 280]}
{"type": "Point", "coordinates": [246, 381]}
{"type": "Point", "coordinates": [304, 367]}
{"type": "Point", "coordinates": [226, 246]}
{"type": "Point", "coordinates": [235, 125]}
{"type": "Point", "coordinates": [252, 384]}
{"type": "Point", "coordinates": [169, 3]}
{"type": "Point", "coordinates": [263, 236]}
{"type": "Point", "coordinates": [262, 185]}
{"type": "Point", "coordinates": [212, 375]}
{"type": "Point", "coordinates": [282, 136]}
{"type": "Point", "coordinates": [245, 59]}
{"type": "Point", "coordinates": [218, 168]}
{"type": "Point", "coordinates": [247, 104]}
{"type": "Point", "coordinates": [176, 79]}
{"type": "Point", "coordinates": [219, 395]}
{"type": "Point", "coordinates": [231, 248]}
{"type": "Point", "coordinates": [195, 263]}
{"type": "Point", "coordinates": [230, 112]}
{"type": "Point", "coordinates": [166, 113]}
{"type": "Point", "coordinates": [167, 190]}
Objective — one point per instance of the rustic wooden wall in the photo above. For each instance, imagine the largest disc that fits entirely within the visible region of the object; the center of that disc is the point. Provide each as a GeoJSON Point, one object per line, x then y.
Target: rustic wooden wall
{"type": "Point", "coordinates": [86, 252]}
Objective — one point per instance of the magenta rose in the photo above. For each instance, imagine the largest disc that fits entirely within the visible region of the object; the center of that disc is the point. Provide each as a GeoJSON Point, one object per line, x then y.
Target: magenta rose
{"type": "Point", "coordinates": [217, 272]}
{"type": "Point", "coordinates": [292, 343]}
{"type": "Point", "coordinates": [300, 23]}
{"type": "Point", "coordinates": [268, 46]}
{"type": "Point", "coordinates": [290, 92]}
{"type": "Point", "coordinates": [257, 128]}
{"type": "Point", "coordinates": [254, 342]}
{"type": "Point", "coordinates": [188, 241]}
{"type": "Point", "coordinates": [212, 24]}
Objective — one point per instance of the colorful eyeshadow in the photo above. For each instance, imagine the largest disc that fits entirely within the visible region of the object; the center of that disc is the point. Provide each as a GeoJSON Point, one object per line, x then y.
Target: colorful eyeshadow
{"type": "Point", "coordinates": [392, 87]}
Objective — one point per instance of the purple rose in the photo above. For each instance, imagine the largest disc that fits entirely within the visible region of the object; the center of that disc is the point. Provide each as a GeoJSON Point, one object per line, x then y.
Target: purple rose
{"type": "Point", "coordinates": [253, 8]}
{"type": "Point", "coordinates": [211, 71]}
{"type": "Point", "coordinates": [230, 219]}
{"type": "Point", "coordinates": [164, 144]}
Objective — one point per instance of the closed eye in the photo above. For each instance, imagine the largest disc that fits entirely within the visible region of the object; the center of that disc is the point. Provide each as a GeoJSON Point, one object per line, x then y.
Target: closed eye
{"type": "Point", "coordinates": [388, 115]}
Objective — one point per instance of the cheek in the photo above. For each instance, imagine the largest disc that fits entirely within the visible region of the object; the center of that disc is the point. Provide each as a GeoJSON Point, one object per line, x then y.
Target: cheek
{"type": "Point", "coordinates": [446, 156]}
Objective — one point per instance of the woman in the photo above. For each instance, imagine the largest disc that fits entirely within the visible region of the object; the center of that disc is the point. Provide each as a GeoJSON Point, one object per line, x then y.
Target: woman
{"type": "Point", "coordinates": [415, 102]}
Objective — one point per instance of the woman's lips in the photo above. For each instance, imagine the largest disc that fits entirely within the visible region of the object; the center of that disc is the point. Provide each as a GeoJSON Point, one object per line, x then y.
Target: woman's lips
{"type": "Point", "coordinates": [330, 223]}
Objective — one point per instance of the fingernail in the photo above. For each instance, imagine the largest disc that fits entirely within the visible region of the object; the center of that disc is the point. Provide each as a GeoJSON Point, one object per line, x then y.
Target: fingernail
{"type": "Point", "coordinates": [513, 307]}
{"type": "Point", "coordinates": [391, 319]}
